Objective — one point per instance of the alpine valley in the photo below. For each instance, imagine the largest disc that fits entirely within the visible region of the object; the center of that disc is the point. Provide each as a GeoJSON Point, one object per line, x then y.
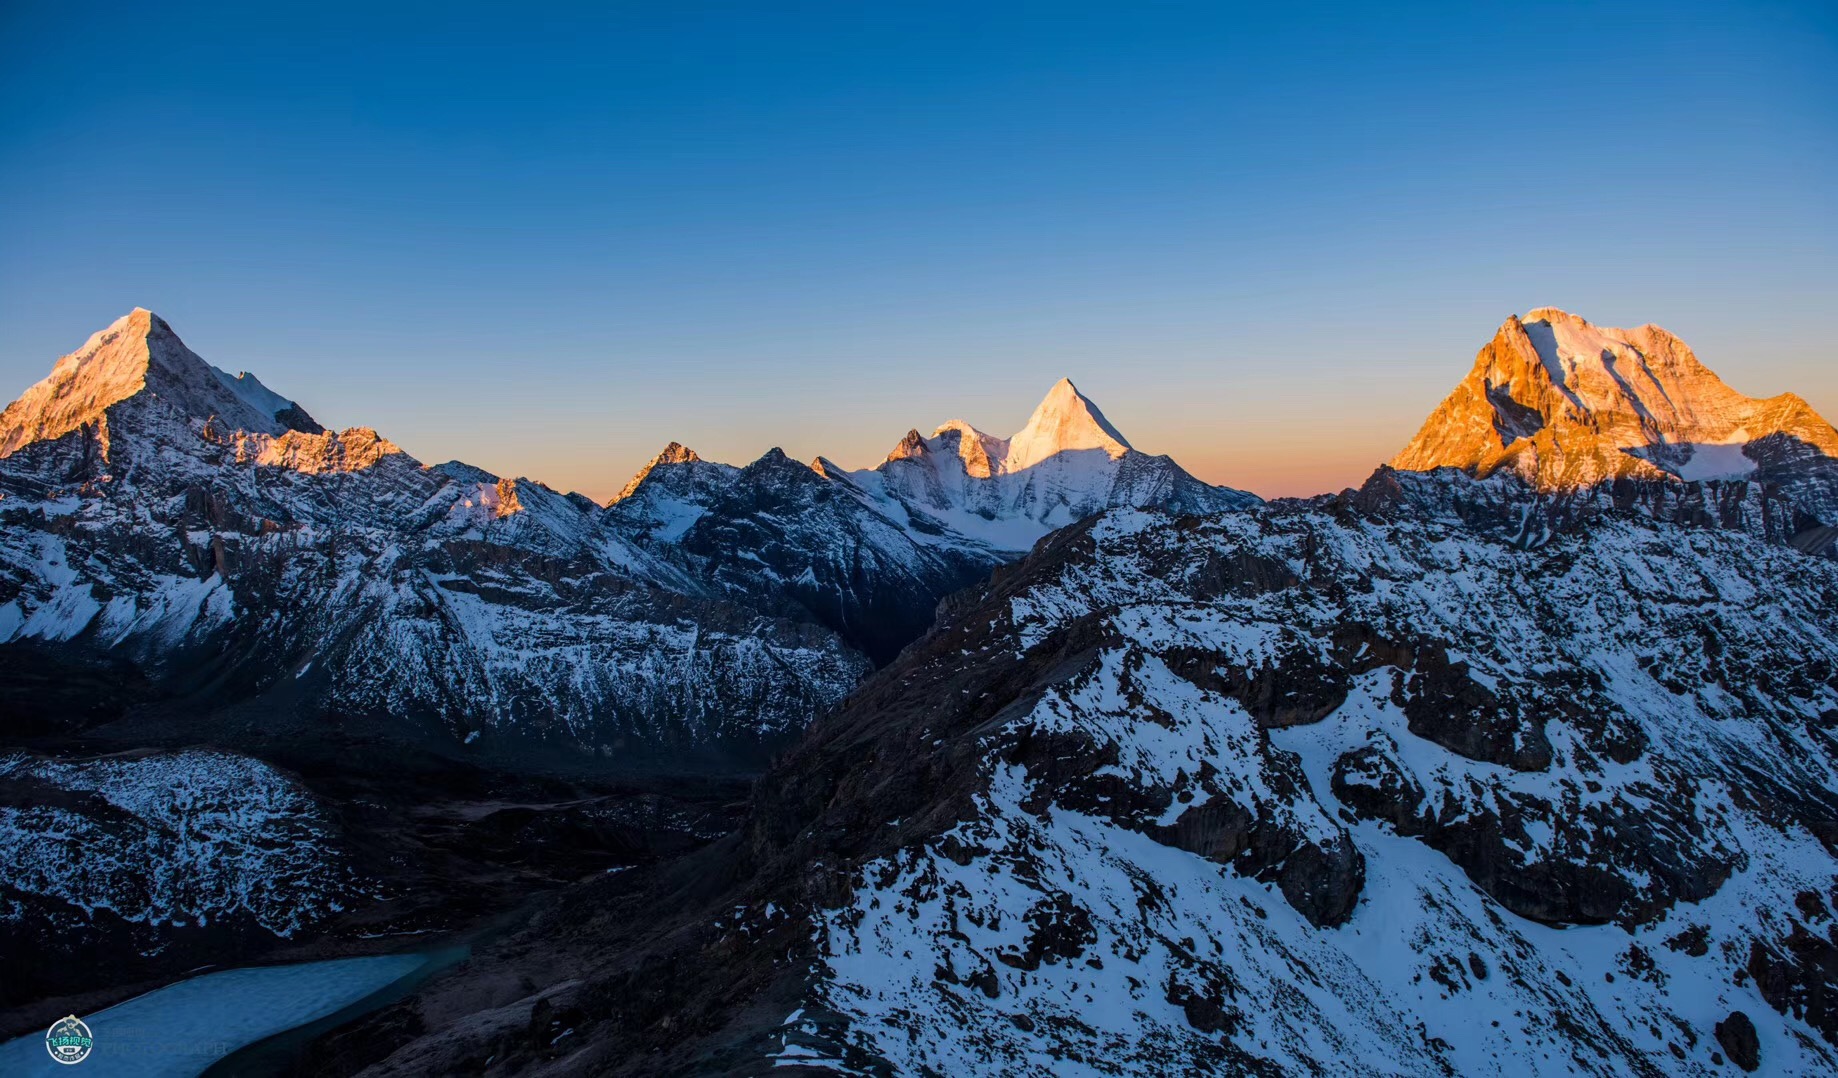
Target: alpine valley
{"type": "Point", "coordinates": [1027, 755]}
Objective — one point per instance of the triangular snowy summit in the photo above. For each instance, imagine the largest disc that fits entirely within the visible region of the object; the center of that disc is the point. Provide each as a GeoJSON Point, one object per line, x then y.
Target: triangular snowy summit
{"type": "Point", "coordinates": [140, 356]}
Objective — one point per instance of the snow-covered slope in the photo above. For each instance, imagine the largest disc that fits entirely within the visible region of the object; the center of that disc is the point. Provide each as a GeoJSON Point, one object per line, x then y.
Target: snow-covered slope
{"type": "Point", "coordinates": [197, 527]}
{"type": "Point", "coordinates": [135, 852]}
{"type": "Point", "coordinates": [1347, 787]}
{"type": "Point", "coordinates": [1566, 405]}
{"type": "Point", "coordinates": [1486, 810]}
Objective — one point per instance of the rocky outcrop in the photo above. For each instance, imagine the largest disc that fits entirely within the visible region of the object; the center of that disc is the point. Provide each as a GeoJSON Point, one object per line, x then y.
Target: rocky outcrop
{"type": "Point", "coordinates": [1737, 1036]}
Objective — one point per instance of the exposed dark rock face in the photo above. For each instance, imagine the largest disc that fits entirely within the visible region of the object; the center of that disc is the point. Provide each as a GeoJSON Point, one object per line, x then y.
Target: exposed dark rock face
{"type": "Point", "coordinates": [1798, 976]}
{"type": "Point", "coordinates": [1507, 507]}
{"type": "Point", "coordinates": [1443, 704]}
{"type": "Point", "coordinates": [1737, 1036]}
{"type": "Point", "coordinates": [797, 542]}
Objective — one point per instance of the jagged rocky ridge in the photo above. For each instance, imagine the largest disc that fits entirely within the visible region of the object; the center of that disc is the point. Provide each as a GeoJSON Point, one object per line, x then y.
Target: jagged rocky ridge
{"type": "Point", "coordinates": [199, 534]}
{"type": "Point", "coordinates": [1355, 783]}
{"type": "Point", "coordinates": [227, 558]}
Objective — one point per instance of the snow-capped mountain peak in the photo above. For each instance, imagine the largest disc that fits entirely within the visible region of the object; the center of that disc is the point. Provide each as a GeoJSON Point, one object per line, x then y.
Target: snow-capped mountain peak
{"type": "Point", "coordinates": [1566, 404]}
{"type": "Point", "coordinates": [1066, 420]}
{"type": "Point", "coordinates": [1067, 463]}
{"type": "Point", "coordinates": [139, 353]}
{"type": "Point", "coordinates": [913, 445]}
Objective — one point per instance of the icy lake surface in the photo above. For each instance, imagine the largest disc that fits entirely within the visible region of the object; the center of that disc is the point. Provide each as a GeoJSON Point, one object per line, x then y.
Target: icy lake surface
{"type": "Point", "coordinates": [178, 1031]}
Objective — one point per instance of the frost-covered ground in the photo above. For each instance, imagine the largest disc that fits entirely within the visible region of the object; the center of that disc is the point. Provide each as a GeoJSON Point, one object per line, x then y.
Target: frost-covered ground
{"type": "Point", "coordinates": [178, 1031]}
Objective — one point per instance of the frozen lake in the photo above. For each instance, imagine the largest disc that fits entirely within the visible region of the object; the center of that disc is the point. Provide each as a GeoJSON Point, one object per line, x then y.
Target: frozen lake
{"type": "Point", "coordinates": [179, 1030]}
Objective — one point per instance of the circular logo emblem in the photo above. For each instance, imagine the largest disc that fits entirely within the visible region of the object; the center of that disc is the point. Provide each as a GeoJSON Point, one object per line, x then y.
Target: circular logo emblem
{"type": "Point", "coordinates": [68, 1040]}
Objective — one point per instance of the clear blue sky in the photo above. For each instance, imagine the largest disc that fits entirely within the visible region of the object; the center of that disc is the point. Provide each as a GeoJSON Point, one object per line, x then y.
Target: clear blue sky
{"type": "Point", "coordinates": [1266, 238]}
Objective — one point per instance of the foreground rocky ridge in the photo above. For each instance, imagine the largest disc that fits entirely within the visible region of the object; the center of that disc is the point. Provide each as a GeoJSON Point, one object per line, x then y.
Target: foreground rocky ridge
{"type": "Point", "coordinates": [1353, 780]}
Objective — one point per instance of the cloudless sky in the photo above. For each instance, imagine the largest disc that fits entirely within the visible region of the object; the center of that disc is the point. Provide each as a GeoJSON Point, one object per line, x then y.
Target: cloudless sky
{"type": "Point", "coordinates": [1266, 238]}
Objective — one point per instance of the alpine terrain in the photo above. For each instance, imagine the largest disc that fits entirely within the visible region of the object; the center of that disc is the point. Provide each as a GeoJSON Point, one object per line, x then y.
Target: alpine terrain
{"type": "Point", "coordinates": [376, 696]}
{"type": "Point", "coordinates": [1473, 770]}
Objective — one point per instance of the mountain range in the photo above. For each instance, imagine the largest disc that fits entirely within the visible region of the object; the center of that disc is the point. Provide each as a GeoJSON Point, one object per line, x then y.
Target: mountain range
{"type": "Point", "coordinates": [1521, 757]}
{"type": "Point", "coordinates": [213, 538]}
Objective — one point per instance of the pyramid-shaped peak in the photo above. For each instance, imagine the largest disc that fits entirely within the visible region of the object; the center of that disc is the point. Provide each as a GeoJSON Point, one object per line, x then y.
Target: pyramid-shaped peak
{"type": "Point", "coordinates": [772, 458]}
{"type": "Point", "coordinates": [1066, 420]}
{"type": "Point", "coordinates": [139, 354]}
{"type": "Point", "coordinates": [674, 453]}
{"type": "Point", "coordinates": [1566, 404]}
{"type": "Point", "coordinates": [913, 445]}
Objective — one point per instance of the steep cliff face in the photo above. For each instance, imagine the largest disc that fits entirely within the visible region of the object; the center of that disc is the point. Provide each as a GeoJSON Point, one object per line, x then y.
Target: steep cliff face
{"type": "Point", "coordinates": [1567, 405]}
{"type": "Point", "coordinates": [140, 357]}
